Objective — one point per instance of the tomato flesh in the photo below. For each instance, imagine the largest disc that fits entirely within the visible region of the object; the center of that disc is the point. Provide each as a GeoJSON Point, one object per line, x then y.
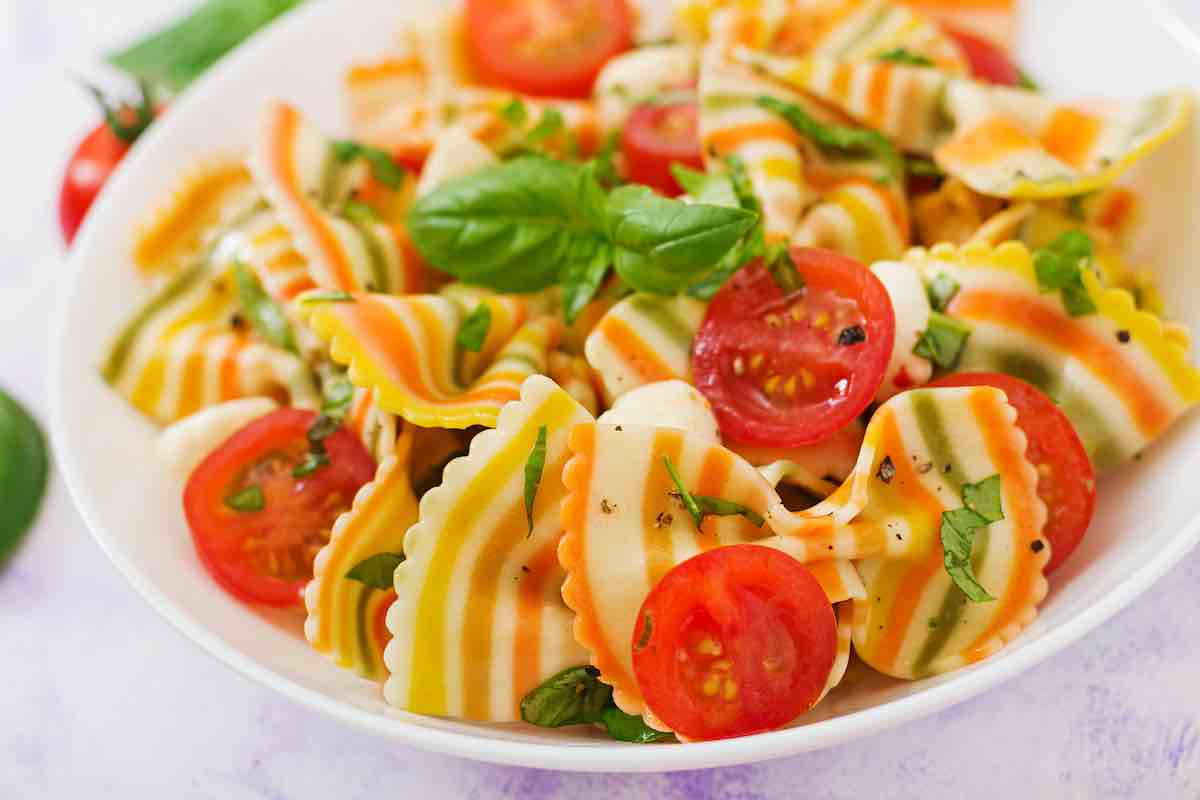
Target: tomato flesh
{"type": "Point", "coordinates": [1066, 479]}
{"type": "Point", "coordinates": [657, 136]}
{"type": "Point", "coordinates": [546, 48]}
{"type": "Point", "coordinates": [791, 369]}
{"type": "Point", "coordinates": [266, 556]}
{"type": "Point", "coordinates": [734, 641]}
{"type": "Point", "coordinates": [987, 61]}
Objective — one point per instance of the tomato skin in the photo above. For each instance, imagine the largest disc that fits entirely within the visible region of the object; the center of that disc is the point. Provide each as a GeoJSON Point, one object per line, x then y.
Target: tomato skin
{"type": "Point", "coordinates": [546, 48]}
{"type": "Point", "coordinates": [774, 366]}
{"type": "Point", "coordinates": [1066, 478]}
{"type": "Point", "coordinates": [734, 641]}
{"type": "Point", "coordinates": [657, 136]}
{"type": "Point", "coordinates": [988, 62]}
{"type": "Point", "coordinates": [87, 171]}
{"type": "Point", "coordinates": [296, 514]}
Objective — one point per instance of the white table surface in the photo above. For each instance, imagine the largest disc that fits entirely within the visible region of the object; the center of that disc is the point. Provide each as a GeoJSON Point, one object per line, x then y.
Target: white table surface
{"type": "Point", "coordinates": [100, 697]}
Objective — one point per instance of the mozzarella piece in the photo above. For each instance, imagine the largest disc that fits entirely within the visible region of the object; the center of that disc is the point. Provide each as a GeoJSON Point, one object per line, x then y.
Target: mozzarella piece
{"type": "Point", "coordinates": [455, 154]}
{"type": "Point", "coordinates": [184, 444]}
{"type": "Point", "coordinates": [666, 404]}
{"type": "Point", "coordinates": [911, 306]}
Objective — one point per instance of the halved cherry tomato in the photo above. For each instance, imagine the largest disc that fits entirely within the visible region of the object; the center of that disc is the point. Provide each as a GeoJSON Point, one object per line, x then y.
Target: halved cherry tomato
{"type": "Point", "coordinates": [734, 641]}
{"type": "Point", "coordinates": [266, 556]}
{"type": "Point", "coordinates": [988, 62]}
{"type": "Point", "coordinates": [1066, 480]}
{"type": "Point", "coordinates": [658, 135]}
{"type": "Point", "coordinates": [547, 48]}
{"type": "Point", "coordinates": [787, 370]}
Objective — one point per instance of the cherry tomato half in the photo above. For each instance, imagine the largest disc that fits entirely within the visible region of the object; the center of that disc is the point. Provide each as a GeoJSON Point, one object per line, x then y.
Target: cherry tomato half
{"type": "Point", "coordinates": [988, 62]}
{"type": "Point", "coordinates": [547, 48]}
{"type": "Point", "coordinates": [1066, 480]}
{"type": "Point", "coordinates": [787, 370]}
{"type": "Point", "coordinates": [266, 555]}
{"type": "Point", "coordinates": [657, 136]}
{"type": "Point", "coordinates": [734, 641]}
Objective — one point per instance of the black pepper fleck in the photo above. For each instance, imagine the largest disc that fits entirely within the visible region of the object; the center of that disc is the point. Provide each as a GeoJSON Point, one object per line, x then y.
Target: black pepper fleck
{"type": "Point", "coordinates": [664, 520]}
{"type": "Point", "coordinates": [1123, 337]}
{"type": "Point", "coordinates": [525, 568]}
{"type": "Point", "coordinates": [887, 470]}
{"type": "Point", "coordinates": [237, 322]}
{"type": "Point", "coordinates": [852, 335]}
{"type": "Point", "coordinates": [606, 506]}
{"type": "Point", "coordinates": [1037, 546]}
{"type": "Point", "coordinates": [619, 429]}
{"type": "Point", "coordinates": [948, 468]}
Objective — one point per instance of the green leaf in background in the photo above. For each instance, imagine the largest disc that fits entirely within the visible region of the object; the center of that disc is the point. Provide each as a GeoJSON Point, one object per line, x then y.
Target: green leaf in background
{"type": "Point", "coordinates": [264, 314]}
{"type": "Point", "coordinates": [378, 571]}
{"type": "Point", "coordinates": [24, 465]}
{"type": "Point", "coordinates": [474, 329]}
{"type": "Point", "coordinates": [175, 56]}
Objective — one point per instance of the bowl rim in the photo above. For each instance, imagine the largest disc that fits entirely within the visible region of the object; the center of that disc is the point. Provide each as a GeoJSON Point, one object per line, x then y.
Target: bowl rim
{"type": "Point", "coordinates": [595, 757]}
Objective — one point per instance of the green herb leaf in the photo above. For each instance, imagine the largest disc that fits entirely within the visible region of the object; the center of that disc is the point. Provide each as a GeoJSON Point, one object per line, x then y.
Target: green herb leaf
{"type": "Point", "coordinates": [685, 497]}
{"type": "Point", "coordinates": [715, 190]}
{"type": "Point", "coordinates": [515, 112]}
{"type": "Point", "coordinates": [474, 329]}
{"type": "Point", "coordinates": [982, 506]}
{"type": "Point", "coordinates": [339, 394]}
{"type": "Point", "coordinates": [743, 188]}
{"type": "Point", "coordinates": [550, 124]}
{"type": "Point", "coordinates": [384, 169]}
{"type": "Point", "coordinates": [533, 473]}
{"type": "Point", "coordinates": [941, 290]}
{"type": "Point", "coordinates": [838, 138]}
{"type": "Point", "coordinates": [322, 428]}
{"type": "Point", "coordinates": [574, 696]}
{"type": "Point", "coordinates": [378, 571]}
{"type": "Point", "coordinates": [901, 56]}
{"type": "Point", "coordinates": [923, 167]}
{"type": "Point", "coordinates": [24, 466]}
{"type": "Point", "coordinates": [176, 56]}
{"type": "Point", "coordinates": [628, 728]}
{"type": "Point", "coordinates": [700, 506]}
{"type": "Point", "coordinates": [753, 244]}
{"type": "Point", "coordinates": [1059, 267]}
{"type": "Point", "coordinates": [1026, 82]}
{"type": "Point", "coordinates": [311, 464]}
{"type": "Point", "coordinates": [943, 341]}
{"type": "Point", "coordinates": [783, 268]}
{"type": "Point", "coordinates": [604, 162]}
{"type": "Point", "coordinates": [582, 277]}
{"type": "Point", "coordinates": [248, 500]}
{"type": "Point", "coordinates": [264, 313]}
{"type": "Point", "coordinates": [315, 298]}
{"type": "Point", "coordinates": [360, 213]}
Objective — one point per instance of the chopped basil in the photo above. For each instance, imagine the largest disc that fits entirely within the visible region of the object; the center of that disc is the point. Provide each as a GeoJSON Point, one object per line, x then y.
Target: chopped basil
{"type": "Point", "coordinates": [474, 329]}
{"type": "Point", "coordinates": [839, 138]}
{"type": "Point", "coordinates": [700, 506]}
{"type": "Point", "coordinates": [515, 112]}
{"type": "Point", "coordinates": [383, 168]}
{"type": "Point", "coordinates": [941, 290]}
{"type": "Point", "coordinates": [576, 696]}
{"type": "Point", "coordinates": [628, 728]}
{"type": "Point", "coordinates": [901, 56]}
{"type": "Point", "coordinates": [779, 263]}
{"type": "Point", "coordinates": [360, 212]}
{"type": "Point", "coordinates": [533, 473]}
{"type": "Point", "coordinates": [923, 168]}
{"type": "Point", "coordinates": [1059, 267]}
{"type": "Point", "coordinates": [339, 394]}
{"type": "Point", "coordinates": [264, 313]}
{"type": "Point", "coordinates": [314, 298]}
{"type": "Point", "coordinates": [943, 341]}
{"type": "Point", "coordinates": [981, 507]}
{"type": "Point", "coordinates": [377, 571]}
{"type": "Point", "coordinates": [550, 124]}
{"type": "Point", "coordinates": [248, 500]}
{"type": "Point", "coordinates": [313, 462]}
{"type": "Point", "coordinates": [1026, 82]}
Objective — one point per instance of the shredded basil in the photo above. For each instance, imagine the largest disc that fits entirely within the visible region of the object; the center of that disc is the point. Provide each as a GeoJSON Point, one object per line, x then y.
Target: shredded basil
{"type": "Point", "coordinates": [783, 268]}
{"type": "Point", "coordinates": [248, 500]}
{"type": "Point", "coordinates": [515, 112]}
{"type": "Point", "coordinates": [315, 298]}
{"type": "Point", "coordinates": [839, 138]}
{"type": "Point", "coordinates": [700, 506]}
{"type": "Point", "coordinates": [901, 56]}
{"type": "Point", "coordinates": [1059, 267]}
{"type": "Point", "coordinates": [576, 696]}
{"type": "Point", "coordinates": [923, 167]}
{"type": "Point", "coordinates": [941, 290]}
{"type": "Point", "coordinates": [981, 507]}
{"type": "Point", "coordinates": [377, 571]}
{"type": "Point", "coordinates": [533, 473]}
{"type": "Point", "coordinates": [943, 341]}
{"type": "Point", "coordinates": [383, 168]}
{"type": "Point", "coordinates": [264, 313]}
{"type": "Point", "coordinates": [474, 329]}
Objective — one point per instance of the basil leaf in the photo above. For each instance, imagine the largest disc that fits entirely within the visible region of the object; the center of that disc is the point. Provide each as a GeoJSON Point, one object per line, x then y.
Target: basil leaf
{"type": "Point", "coordinates": [24, 467]}
{"type": "Point", "coordinates": [378, 571]}
{"type": "Point", "coordinates": [943, 341]}
{"type": "Point", "coordinates": [1059, 267]}
{"type": "Point", "coordinates": [264, 313]}
{"type": "Point", "coordinates": [628, 728]}
{"type": "Point", "coordinates": [717, 507]}
{"type": "Point", "coordinates": [714, 190]}
{"type": "Point", "coordinates": [582, 278]}
{"type": "Point", "coordinates": [474, 329]}
{"type": "Point", "coordinates": [941, 290]}
{"type": "Point", "coordinates": [360, 213]}
{"type": "Point", "coordinates": [510, 227]}
{"type": "Point", "coordinates": [743, 188]}
{"type": "Point", "coordinates": [838, 138]}
{"type": "Point", "coordinates": [685, 497]}
{"type": "Point", "coordinates": [339, 394]}
{"type": "Point", "coordinates": [314, 298]}
{"type": "Point", "coordinates": [384, 169]}
{"type": "Point", "coordinates": [982, 506]}
{"type": "Point", "coordinates": [550, 124]}
{"type": "Point", "coordinates": [663, 246]}
{"type": "Point", "coordinates": [248, 500]}
{"type": "Point", "coordinates": [533, 473]}
{"type": "Point", "coordinates": [315, 461]}
{"type": "Point", "coordinates": [1026, 82]}
{"type": "Point", "coordinates": [177, 55]}
{"type": "Point", "coordinates": [604, 161]}
{"type": "Point", "coordinates": [575, 696]}
{"type": "Point", "coordinates": [783, 268]}
{"type": "Point", "coordinates": [901, 56]}
{"type": "Point", "coordinates": [515, 112]}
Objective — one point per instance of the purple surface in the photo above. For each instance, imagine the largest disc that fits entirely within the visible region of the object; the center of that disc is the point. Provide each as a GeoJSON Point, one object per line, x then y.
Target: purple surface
{"type": "Point", "coordinates": [102, 698]}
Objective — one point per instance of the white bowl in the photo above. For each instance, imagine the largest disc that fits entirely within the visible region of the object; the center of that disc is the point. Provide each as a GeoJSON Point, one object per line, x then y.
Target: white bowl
{"type": "Point", "coordinates": [1146, 521]}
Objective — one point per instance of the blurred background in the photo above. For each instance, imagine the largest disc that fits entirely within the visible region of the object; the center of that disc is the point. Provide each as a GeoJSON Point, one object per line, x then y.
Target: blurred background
{"type": "Point", "coordinates": [100, 696]}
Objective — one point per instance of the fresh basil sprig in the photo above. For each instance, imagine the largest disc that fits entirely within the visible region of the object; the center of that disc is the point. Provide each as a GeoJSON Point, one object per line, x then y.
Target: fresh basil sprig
{"type": "Point", "coordinates": [532, 222]}
{"type": "Point", "coordinates": [376, 571]}
{"type": "Point", "coordinates": [264, 314]}
{"type": "Point", "coordinates": [981, 507]}
{"type": "Point", "coordinates": [576, 696]}
{"type": "Point", "coordinates": [839, 139]}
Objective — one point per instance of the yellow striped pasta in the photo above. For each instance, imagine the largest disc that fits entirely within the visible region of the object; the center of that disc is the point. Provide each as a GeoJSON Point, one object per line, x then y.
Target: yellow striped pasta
{"type": "Point", "coordinates": [478, 621]}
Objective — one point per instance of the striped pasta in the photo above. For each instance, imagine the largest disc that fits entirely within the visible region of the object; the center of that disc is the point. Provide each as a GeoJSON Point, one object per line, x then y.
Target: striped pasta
{"type": "Point", "coordinates": [375, 427]}
{"type": "Point", "coordinates": [994, 20]}
{"type": "Point", "coordinates": [478, 621]}
{"type": "Point", "coordinates": [345, 617]}
{"type": "Point", "coordinates": [404, 349]}
{"type": "Point", "coordinates": [1119, 374]}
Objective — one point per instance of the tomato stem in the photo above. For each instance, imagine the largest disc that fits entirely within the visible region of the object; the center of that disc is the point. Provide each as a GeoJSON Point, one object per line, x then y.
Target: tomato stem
{"type": "Point", "coordinates": [117, 116]}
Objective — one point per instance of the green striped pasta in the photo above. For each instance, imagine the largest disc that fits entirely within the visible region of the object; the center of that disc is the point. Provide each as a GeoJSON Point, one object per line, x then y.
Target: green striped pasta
{"type": "Point", "coordinates": [1119, 374]}
{"type": "Point", "coordinates": [345, 617]}
{"type": "Point", "coordinates": [644, 339]}
{"type": "Point", "coordinates": [478, 620]}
